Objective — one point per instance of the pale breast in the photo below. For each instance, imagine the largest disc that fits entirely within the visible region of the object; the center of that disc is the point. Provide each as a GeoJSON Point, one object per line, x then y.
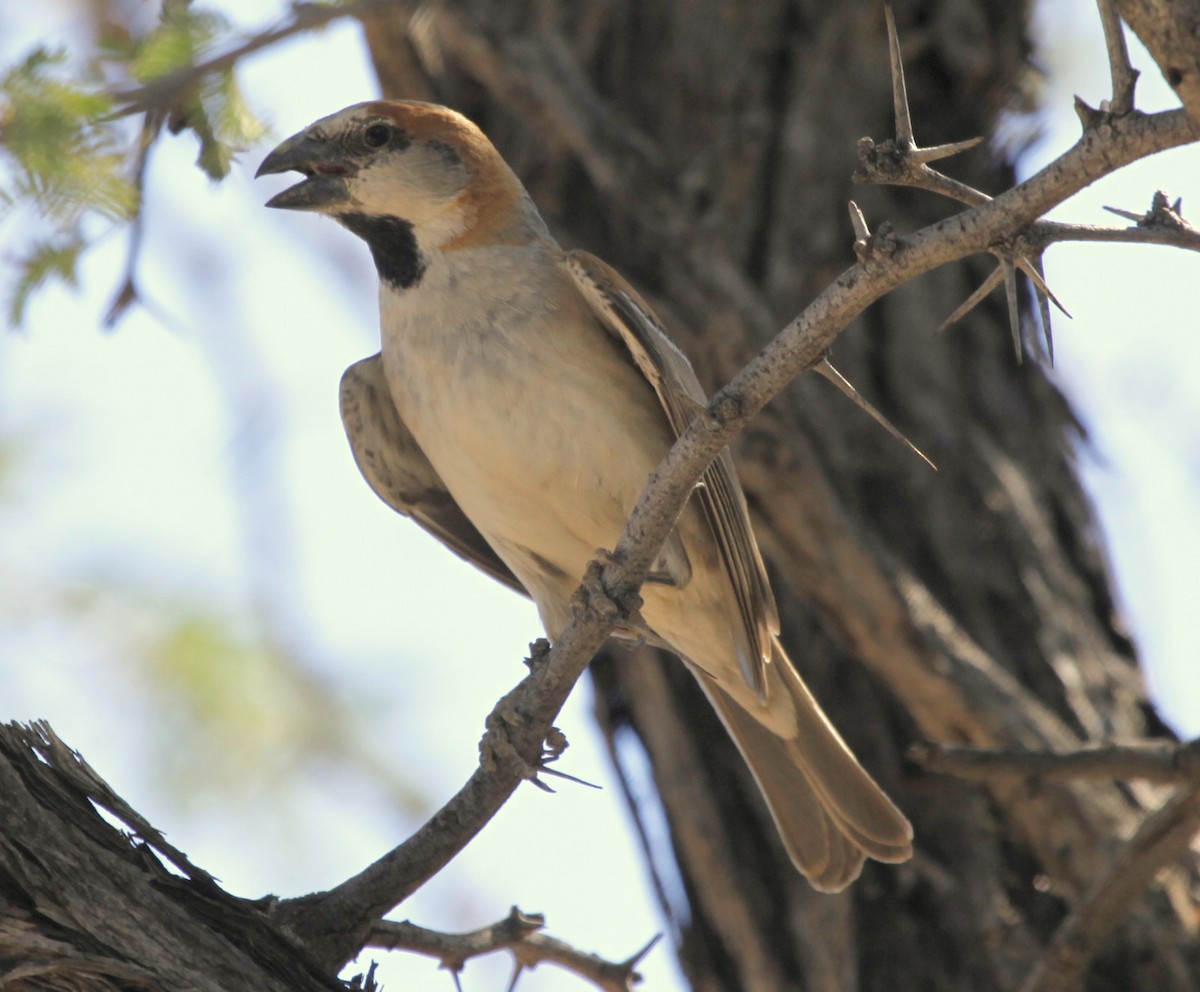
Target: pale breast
{"type": "Point", "coordinates": [541, 427]}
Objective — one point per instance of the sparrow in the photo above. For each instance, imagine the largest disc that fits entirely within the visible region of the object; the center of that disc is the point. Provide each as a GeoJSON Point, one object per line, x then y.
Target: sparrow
{"type": "Point", "coordinates": [522, 396]}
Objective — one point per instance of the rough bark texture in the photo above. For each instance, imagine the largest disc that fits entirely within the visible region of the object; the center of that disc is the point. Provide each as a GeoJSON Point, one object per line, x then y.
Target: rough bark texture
{"type": "Point", "coordinates": [85, 908]}
{"type": "Point", "coordinates": [705, 148]}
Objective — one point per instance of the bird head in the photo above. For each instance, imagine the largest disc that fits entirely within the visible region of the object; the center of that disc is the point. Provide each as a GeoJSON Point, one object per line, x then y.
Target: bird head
{"type": "Point", "coordinates": [403, 162]}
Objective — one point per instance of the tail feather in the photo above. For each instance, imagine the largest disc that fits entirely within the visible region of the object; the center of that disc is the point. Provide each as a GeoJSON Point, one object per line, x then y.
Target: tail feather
{"type": "Point", "coordinates": [848, 792]}
{"type": "Point", "coordinates": [829, 812]}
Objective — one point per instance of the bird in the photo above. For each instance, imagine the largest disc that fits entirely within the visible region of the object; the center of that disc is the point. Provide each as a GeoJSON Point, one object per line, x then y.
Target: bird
{"type": "Point", "coordinates": [521, 398]}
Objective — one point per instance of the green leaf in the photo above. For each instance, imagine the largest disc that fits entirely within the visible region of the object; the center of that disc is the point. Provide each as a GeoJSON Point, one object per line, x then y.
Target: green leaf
{"type": "Point", "coordinates": [69, 162]}
{"type": "Point", "coordinates": [48, 259]}
{"type": "Point", "coordinates": [179, 38]}
{"type": "Point", "coordinates": [61, 160]}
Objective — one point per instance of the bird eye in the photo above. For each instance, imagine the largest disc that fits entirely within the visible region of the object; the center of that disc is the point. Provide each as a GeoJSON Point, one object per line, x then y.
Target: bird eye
{"type": "Point", "coordinates": [377, 135]}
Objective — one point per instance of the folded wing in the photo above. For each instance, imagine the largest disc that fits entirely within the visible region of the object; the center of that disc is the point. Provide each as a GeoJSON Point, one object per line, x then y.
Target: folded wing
{"type": "Point", "coordinates": [627, 316]}
{"type": "Point", "coordinates": [396, 468]}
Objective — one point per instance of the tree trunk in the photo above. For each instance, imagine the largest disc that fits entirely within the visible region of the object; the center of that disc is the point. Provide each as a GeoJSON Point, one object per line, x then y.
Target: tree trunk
{"type": "Point", "coordinates": [705, 148]}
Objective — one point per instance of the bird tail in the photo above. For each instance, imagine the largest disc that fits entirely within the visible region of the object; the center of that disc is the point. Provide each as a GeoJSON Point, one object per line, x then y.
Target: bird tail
{"type": "Point", "coordinates": [829, 812]}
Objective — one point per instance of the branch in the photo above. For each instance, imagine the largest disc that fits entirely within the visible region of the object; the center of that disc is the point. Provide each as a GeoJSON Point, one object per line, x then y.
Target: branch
{"type": "Point", "coordinates": [1124, 76]}
{"type": "Point", "coordinates": [900, 162]}
{"type": "Point", "coordinates": [163, 92]}
{"type": "Point", "coordinates": [127, 290]}
{"type": "Point", "coordinates": [518, 933]}
{"type": "Point", "coordinates": [1045, 233]}
{"type": "Point", "coordinates": [1153, 761]}
{"type": "Point", "coordinates": [1170, 29]}
{"type": "Point", "coordinates": [1161, 839]}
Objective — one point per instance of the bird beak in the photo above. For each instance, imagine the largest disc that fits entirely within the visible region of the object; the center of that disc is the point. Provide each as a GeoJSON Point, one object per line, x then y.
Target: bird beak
{"type": "Point", "coordinates": [323, 166]}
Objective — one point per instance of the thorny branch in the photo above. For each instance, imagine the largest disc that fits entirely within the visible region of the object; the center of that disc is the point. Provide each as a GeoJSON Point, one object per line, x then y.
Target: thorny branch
{"type": "Point", "coordinates": [518, 933]}
{"type": "Point", "coordinates": [900, 162]}
{"type": "Point", "coordinates": [1124, 76]}
{"type": "Point", "coordinates": [1169, 29]}
{"type": "Point", "coordinates": [167, 90]}
{"type": "Point", "coordinates": [1161, 839]}
{"type": "Point", "coordinates": [1166, 762]}
{"type": "Point", "coordinates": [610, 593]}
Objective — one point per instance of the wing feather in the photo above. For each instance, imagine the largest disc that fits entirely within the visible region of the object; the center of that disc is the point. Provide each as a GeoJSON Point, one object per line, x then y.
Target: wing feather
{"type": "Point", "coordinates": [627, 316]}
{"type": "Point", "coordinates": [396, 468]}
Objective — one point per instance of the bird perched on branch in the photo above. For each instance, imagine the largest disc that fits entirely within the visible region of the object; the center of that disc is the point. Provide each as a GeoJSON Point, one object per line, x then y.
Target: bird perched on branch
{"type": "Point", "coordinates": [522, 398]}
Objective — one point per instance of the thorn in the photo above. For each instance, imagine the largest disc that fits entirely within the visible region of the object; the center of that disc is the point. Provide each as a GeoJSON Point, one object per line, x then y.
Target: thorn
{"type": "Point", "coordinates": [859, 223]}
{"type": "Point", "coordinates": [1037, 277]}
{"type": "Point", "coordinates": [862, 233]}
{"type": "Point", "coordinates": [539, 651]}
{"type": "Point", "coordinates": [1127, 214]}
{"type": "Point", "coordinates": [972, 301]}
{"type": "Point", "coordinates": [570, 778]}
{"type": "Point", "coordinates": [636, 958]}
{"type": "Point", "coordinates": [555, 744]}
{"type": "Point", "coordinates": [457, 981]}
{"type": "Point", "coordinates": [516, 975]}
{"type": "Point", "coordinates": [825, 369]}
{"type": "Point", "coordinates": [904, 131]}
{"type": "Point", "coordinates": [1044, 314]}
{"type": "Point", "coordinates": [530, 922]}
{"type": "Point", "coordinates": [923, 156]}
{"type": "Point", "coordinates": [125, 298]}
{"type": "Point", "coordinates": [1089, 117]}
{"type": "Point", "coordinates": [1043, 299]}
{"type": "Point", "coordinates": [1014, 311]}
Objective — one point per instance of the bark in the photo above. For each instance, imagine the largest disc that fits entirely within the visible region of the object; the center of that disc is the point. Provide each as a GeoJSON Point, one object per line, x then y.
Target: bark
{"type": "Point", "coordinates": [705, 148]}
{"type": "Point", "coordinates": [86, 908]}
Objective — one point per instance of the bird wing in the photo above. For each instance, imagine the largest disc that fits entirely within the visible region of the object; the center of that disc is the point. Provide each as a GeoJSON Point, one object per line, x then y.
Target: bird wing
{"type": "Point", "coordinates": [396, 468]}
{"type": "Point", "coordinates": [626, 315]}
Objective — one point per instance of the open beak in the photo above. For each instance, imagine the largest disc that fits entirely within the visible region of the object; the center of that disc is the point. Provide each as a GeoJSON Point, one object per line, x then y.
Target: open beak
{"type": "Point", "coordinates": [321, 163]}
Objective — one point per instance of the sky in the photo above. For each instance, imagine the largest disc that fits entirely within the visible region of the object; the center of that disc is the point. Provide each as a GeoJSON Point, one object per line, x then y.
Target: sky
{"type": "Point", "coordinates": [193, 461]}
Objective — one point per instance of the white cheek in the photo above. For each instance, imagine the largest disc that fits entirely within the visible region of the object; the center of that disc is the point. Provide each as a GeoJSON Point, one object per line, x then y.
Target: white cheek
{"type": "Point", "coordinates": [412, 187]}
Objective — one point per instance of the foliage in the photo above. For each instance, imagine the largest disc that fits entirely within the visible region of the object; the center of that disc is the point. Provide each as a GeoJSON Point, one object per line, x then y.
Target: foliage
{"type": "Point", "coordinates": [70, 155]}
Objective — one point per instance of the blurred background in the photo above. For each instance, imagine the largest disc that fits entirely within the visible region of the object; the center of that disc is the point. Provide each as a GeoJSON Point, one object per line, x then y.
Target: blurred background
{"type": "Point", "coordinates": [201, 594]}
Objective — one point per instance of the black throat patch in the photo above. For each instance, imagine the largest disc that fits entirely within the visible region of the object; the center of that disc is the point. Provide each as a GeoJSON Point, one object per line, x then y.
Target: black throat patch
{"type": "Point", "coordinates": [393, 246]}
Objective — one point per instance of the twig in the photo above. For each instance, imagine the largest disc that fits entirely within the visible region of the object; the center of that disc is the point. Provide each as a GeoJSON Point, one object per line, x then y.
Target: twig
{"type": "Point", "coordinates": [1162, 225]}
{"type": "Point", "coordinates": [1166, 762]}
{"type": "Point", "coordinates": [902, 163]}
{"type": "Point", "coordinates": [1124, 75]}
{"type": "Point", "coordinates": [1168, 30]}
{"type": "Point", "coordinates": [517, 933]}
{"type": "Point", "coordinates": [127, 291]}
{"type": "Point", "coordinates": [1160, 840]}
{"type": "Point", "coordinates": [166, 90]}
